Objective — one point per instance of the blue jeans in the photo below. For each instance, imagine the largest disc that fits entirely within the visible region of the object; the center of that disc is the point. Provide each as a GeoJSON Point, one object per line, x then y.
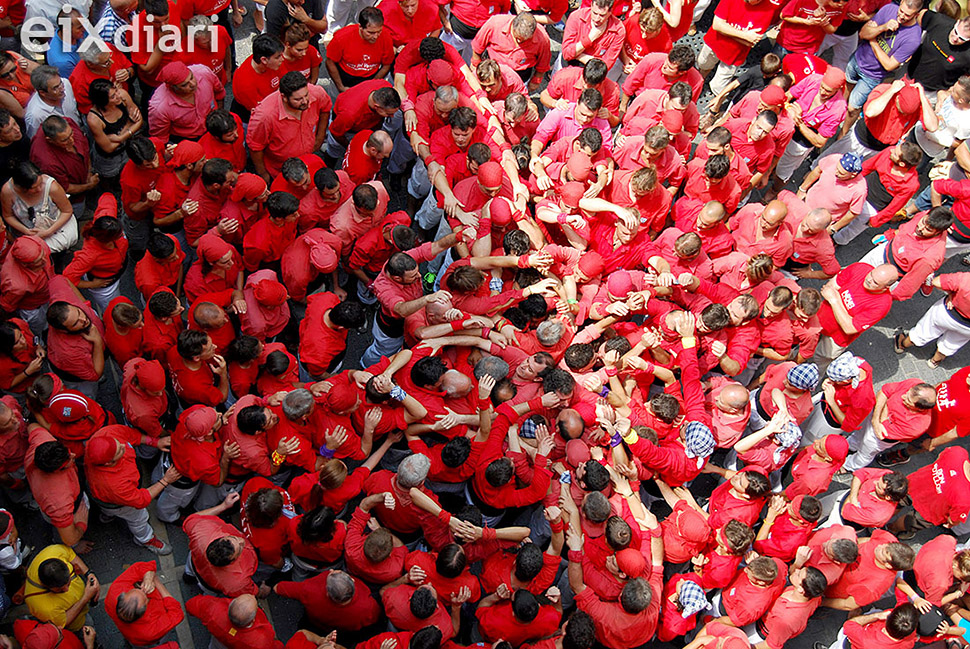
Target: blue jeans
{"type": "Point", "coordinates": [863, 84]}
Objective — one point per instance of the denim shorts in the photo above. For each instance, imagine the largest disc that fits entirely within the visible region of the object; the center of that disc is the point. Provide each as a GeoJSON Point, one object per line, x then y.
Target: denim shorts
{"type": "Point", "coordinates": [863, 84]}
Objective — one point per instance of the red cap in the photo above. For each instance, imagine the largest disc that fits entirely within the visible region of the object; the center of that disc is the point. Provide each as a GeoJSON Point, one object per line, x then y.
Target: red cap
{"type": "Point", "coordinates": [151, 376]}
{"type": "Point", "coordinates": [577, 452]}
{"type": "Point", "coordinates": [836, 447]}
{"type": "Point", "coordinates": [342, 397]}
{"type": "Point", "coordinates": [199, 420]}
{"type": "Point", "coordinates": [100, 450]}
{"type": "Point", "coordinates": [269, 293]}
{"type": "Point", "coordinates": [490, 174]}
{"type": "Point", "coordinates": [631, 562]}
{"type": "Point", "coordinates": [107, 206]}
{"type": "Point", "coordinates": [41, 636]}
{"type": "Point", "coordinates": [212, 248]}
{"type": "Point", "coordinates": [27, 249]}
{"type": "Point", "coordinates": [323, 257]}
{"type": "Point", "coordinates": [174, 73]}
{"type": "Point", "coordinates": [692, 526]}
{"type": "Point", "coordinates": [500, 211]}
{"type": "Point", "coordinates": [571, 193]}
{"type": "Point", "coordinates": [619, 284]}
{"type": "Point", "coordinates": [249, 187]}
{"type": "Point", "coordinates": [68, 407]}
{"type": "Point", "coordinates": [834, 78]}
{"type": "Point", "coordinates": [591, 264]}
{"type": "Point", "coordinates": [187, 152]}
{"type": "Point", "coordinates": [773, 96]}
{"type": "Point", "coordinates": [908, 98]}
{"type": "Point", "coordinates": [579, 166]}
{"type": "Point", "coordinates": [440, 73]}
{"type": "Point", "coordinates": [673, 121]}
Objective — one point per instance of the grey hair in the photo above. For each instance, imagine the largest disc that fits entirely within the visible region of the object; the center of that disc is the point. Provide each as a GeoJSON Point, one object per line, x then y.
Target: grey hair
{"type": "Point", "coordinates": [41, 77]}
{"type": "Point", "coordinates": [340, 587]}
{"type": "Point", "coordinates": [446, 93]}
{"type": "Point", "coordinates": [494, 366]}
{"type": "Point", "coordinates": [516, 104]}
{"type": "Point", "coordinates": [128, 608]}
{"type": "Point", "coordinates": [297, 404]}
{"type": "Point", "coordinates": [550, 332]}
{"type": "Point", "coordinates": [200, 20]}
{"type": "Point", "coordinates": [413, 470]}
{"type": "Point", "coordinates": [90, 52]}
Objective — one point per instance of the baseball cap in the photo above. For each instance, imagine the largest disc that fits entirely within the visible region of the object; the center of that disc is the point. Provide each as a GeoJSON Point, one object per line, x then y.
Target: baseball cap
{"type": "Point", "coordinates": [150, 375]}
{"type": "Point", "coordinates": [100, 450]}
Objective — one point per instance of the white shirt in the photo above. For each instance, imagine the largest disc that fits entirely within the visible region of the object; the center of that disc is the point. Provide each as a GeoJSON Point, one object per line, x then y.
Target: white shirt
{"type": "Point", "coordinates": [38, 110]}
{"type": "Point", "coordinates": [954, 125]}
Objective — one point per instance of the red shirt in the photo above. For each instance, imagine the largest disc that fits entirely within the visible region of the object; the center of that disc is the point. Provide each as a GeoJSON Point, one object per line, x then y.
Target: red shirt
{"type": "Point", "coordinates": [952, 400]}
{"type": "Point", "coordinates": [214, 613]}
{"type": "Point", "coordinates": [161, 615]}
{"type": "Point", "coordinates": [495, 37]}
{"type": "Point", "coordinates": [716, 241]}
{"type": "Point", "coordinates": [745, 602]}
{"type": "Point", "coordinates": [123, 347]}
{"type": "Point", "coordinates": [56, 493]}
{"type": "Point", "coordinates": [872, 510]}
{"type": "Point", "coordinates": [799, 407]}
{"type": "Point", "coordinates": [232, 580]}
{"type": "Point", "coordinates": [402, 29]}
{"type": "Point", "coordinates": [193, 385]}
{"type": "Point", "coordinates": [875, 636]}
{"type": "Point", "coordinates": [810, 476]}
{"type": "Point", "coordinates": [152, 274]}
{"type": "Point", "coordinates": [648, 74]}
{"type": "Point", "coordinates": [617, 629]}
{"type": "Point", "coordinates": [787, 618]}
{"type": "Point", "coordinates": [785, 537]}
{"type": "Point", "coordinates": [305, 64]}
{"type": "Point", "coordinates": [361, 611]}
{"type": "Point", "coordinates": [801, 38]}
{"type": "Point", "coordinates": [606, 47]}
{"type": "Point", "coordinates": [11, 366]}
{"type": "Point", "coordinates": [903, 424]}
{"type": "Point", "coordinates": [250, 87]}
{"type": "Point", "coordinates": [359, 166]}
{"type": "Point", "coordinates": [636, 46]}
{"type": "Point", "coordinates": [356, 56]}
{"type": "Point", "coordinates": [351, 112]}
{"type": "Point", "coordinates": [865, 308]}
{"type": "Point", "coordinates": [819, 560]}
{"type": "Point", "coordinates": [724, 505]}
{"type": "Point", "coordinates": [381, 573]}
{"type": "Point", "coordinates": [118, 483]}
{"type": "Point", "coordinates": [864, 580]}
{"type": "Point", "coordinates": [498, 622]}
{"type": "Point", "coordinates": [234, 152]}
{"type": "Point", "coordinates": [746, 225]}
{"type": "Point", "coordinates": [727, 192]}
{"type": "Point", "coordinates": [933, 567]}
{"type": "Point", "coordinates": [941, 491]}
{"type": "Point", "coordinates": [740, 14]}
{"type": "Point", "coordinates": [215, 57]}
{"type": "Point", "coordinates": [83, 75]}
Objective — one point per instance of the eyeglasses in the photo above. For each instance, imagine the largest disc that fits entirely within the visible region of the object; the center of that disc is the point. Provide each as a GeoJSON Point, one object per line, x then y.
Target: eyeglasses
{"type": "Point", "coordinates": [960, 37]}
{"type": "Point", "coordinates": [9, 74]}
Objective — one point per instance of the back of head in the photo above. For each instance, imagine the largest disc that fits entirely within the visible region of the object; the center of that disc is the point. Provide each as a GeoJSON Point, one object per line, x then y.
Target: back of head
{"type": "Point", "coordinates": [525, 606]}
{"type": "Point", "coordinates": [902, 621]}
{"type": "Point", "coordinates": [413, 471]}
{"type": "Point", "coordinates": [54, 573]}
{"type": "Point", "coordinates": [340, 587]}
{"type": "Point", "coordinates": [423, 603]}
{"type": "Point", "coordinates": [636, 596]}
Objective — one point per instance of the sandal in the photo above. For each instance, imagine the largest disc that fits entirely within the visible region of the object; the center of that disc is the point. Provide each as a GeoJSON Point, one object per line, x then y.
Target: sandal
{"type": "Point", "coordinates": [933, 363]}
{"type": "Point", "coordinates": [893, 458]}
{"type": "Point", "coordinates": [898, 338]}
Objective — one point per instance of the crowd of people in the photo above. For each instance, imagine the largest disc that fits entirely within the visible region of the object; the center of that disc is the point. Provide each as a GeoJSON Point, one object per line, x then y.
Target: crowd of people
{"type": "Point", "coordinates": [603, 400]}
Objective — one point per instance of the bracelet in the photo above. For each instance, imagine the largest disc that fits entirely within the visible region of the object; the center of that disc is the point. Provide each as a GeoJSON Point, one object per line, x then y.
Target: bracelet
{"type": "Point", "coordinates": [557, 526]}
{"type": "Point", "coordinates": [495, 284]}
{"type": "Point", "coordinates": [484, 404]}
{"type": "Point", "coordinates": [572, 301]}
{"type": "Point", "coordinates": [398, 393]}
{"type": "Point", "coordinates": [327, 453]}
{"type": "Point", "coordinates": [605, 391]}
{"type": "Point", "coordinates": [277, 458]}
{"type": "Point", "coordinates": [615, 440]}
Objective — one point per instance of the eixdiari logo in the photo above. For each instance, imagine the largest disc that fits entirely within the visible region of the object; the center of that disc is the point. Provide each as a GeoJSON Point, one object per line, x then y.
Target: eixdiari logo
{"type": "Point", "coordinates": [37, 32]}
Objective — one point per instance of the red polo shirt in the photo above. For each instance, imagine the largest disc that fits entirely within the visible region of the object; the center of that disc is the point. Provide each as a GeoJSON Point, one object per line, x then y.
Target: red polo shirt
{"type": "Point", "coordinates": [361, 611]}
{"type": "Point", "coordinates": [647, 74]}
{"type": "Point", "coordinates": [161, 615]}
{"type": "Point", "coordinates": [118, 483]}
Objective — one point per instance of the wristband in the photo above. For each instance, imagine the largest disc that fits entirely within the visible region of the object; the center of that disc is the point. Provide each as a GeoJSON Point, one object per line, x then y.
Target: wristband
{"type": "Point", "coordinates": [278, 459]}
{"type": "Point", "coordinates": [616, 440]}
{"type": "Point", "coordinates": [575, 556]}
{"type": "Point", "coordinates": [631, 437]}
{"type": "Point", "coordinates": [561, 219]}
{"type": "Point", "coordinates": [572, 301]}
{"type": "Point", "coordinates": [523, 261]}
{"type": "Point", "coordinates": [605, 391]}
{"type": "Point", "coordinates": [611, 371]}
{"type": "Point", "coordinates": [689, 343]}
{"type": "Point", "coordinates": [444, 517]}
{"type": "Point", "coordinates": [484, 404]}
{"type": "Point", "coordinates": [459, 237]}
{"type": "Point", "coordinates": [327, 453]}
{"type": "Point", "coordinates": [81, 526]}
{"type": "Point", "coordinates": [557, 526]}
{"type": "Point", "coordinates": [152, 441]}
{"type": "Point", "coordinates": [495, 284]}
{"type": "Point", "coordinates": [398, 393]}
{"type": "Point", "coordinates": [565, 478]}
{"type": "Point", "coordinates": [458, 325]}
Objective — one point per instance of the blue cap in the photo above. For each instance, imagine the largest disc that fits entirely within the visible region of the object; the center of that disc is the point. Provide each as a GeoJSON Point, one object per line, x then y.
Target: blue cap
{"type": "Point", "coordinates": [851, 162]}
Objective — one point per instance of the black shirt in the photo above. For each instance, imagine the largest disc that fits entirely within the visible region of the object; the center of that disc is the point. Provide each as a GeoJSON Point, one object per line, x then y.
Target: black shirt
{"type": "Point", "coordinates": [15, 151]}
{"type": "Point", "coordinates": [278, 18]}
{"type": "Point", "coordinates": [937, 64]}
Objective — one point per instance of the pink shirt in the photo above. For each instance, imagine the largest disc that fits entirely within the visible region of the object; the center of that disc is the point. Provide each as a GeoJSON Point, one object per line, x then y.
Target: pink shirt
{"type": "Point", "coordinates": [839, 197]}
{"type": "Point", "coordinates": [827, 116]}
{"type": "Point", "coordinates": [746, 224]}
{"type": "Point", "coordinates": [496, 38]}
{"type": "Point", "coordinates": [279, 134]}
{"type": "Point", "coordinates": [562, 125]}
{"type": "Point", "coordinates": [568, 84]}
{"type": "Point", "coordinates": [647, 74]}
{"type": "Point", "coordinates": [348, 224]}
{"type": "Point", "coordinates": [170, 114]}
{"type": "Point", "coordinates": [390, 292]}
{"type": "Point", "coordinates": [814, 248]}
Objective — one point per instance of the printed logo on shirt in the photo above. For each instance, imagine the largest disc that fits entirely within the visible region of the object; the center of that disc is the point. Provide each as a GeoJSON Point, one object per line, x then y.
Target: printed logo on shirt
{"type": "Point", "coordinates": [847, 299]}
{"type": "Point", "coordinates": [939, 479]}
{"type": "Point", "coordinates": [943, 400]}
{"type": "Point", "coordinates": [66, 412]}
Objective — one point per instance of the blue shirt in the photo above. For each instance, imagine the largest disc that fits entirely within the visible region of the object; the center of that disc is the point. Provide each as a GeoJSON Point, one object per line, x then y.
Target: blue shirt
{"type": "Point", "coordinates": [62, 57]}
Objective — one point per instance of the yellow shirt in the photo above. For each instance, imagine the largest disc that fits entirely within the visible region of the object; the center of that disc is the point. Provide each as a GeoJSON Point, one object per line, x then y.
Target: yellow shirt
{"type": "Point", "coordinates": [52, 607]}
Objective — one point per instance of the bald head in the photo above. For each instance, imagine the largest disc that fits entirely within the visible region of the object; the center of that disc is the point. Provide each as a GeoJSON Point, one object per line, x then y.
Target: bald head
{"type": "Point", "coordinates": [436, 311]}
{"type": "Point", "coordinates": [773, 214]}
{"type": "Point", "coordinates": [571, 422]}
{"type": "Point", "coordinates": [380, 144]}
{"type": "Point", "coordinates": [711, 214]}
{"type": "Point", "coordinates": [881, 278]}
{"type": "Point", "coordinates": [455, 384]}
{"type": "Point", "coordinates": [340, 587]}
{"type": "Point", "coordinates": [209, 316]}
{"type": "Point", "coordinates": [242, 610]}
{"type": "Point", "coordinates": [817, 220]}
{"type": "Point", "coordinates": [734, 396]}
{"type": "Point", "coordinates": [131, 605]}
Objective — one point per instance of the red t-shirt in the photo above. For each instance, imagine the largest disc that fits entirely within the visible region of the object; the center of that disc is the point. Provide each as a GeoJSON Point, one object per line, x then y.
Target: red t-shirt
{"type": "Point", "coordinates": [933, 567]}
{"type": "Point", "coordinates": [356, 56]}
{"type": "Point", "coordinates": [941, 491]}
{"type": "Point", "coordinates": [250, 87]}
{"type": "Point", "coordinates": [865, 308]}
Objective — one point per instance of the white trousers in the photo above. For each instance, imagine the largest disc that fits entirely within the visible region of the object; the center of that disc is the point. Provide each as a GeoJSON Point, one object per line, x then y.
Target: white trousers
{"type": "Point", "coordinates": [867, 446]}
{"type": "Point", "coordinates": [937, 324]}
